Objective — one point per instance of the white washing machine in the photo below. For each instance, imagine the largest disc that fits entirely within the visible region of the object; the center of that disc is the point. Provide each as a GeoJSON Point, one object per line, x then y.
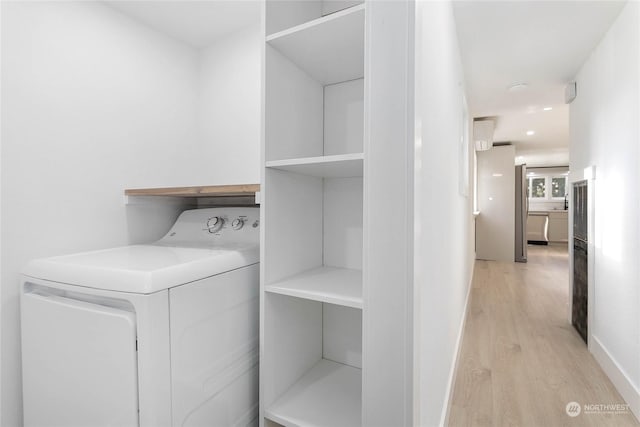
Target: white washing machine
{"type": "Point", "coordinates": [164, 334]}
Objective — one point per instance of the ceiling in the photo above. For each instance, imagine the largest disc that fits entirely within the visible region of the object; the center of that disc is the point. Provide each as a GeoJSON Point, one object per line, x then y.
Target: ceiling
{"type": "Point", "coordinates": [548, 146]}
{"type": "Point", "coordinates": [198, 23]}
{"type": "Point", "coordinates": [550, 127]}
{"type": "Point", "coordinates": [540, 43]}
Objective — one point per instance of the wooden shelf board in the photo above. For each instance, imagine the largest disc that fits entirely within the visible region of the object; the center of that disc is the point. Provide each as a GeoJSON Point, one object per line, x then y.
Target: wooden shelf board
{"type": "Point", "coordinates": [329, 394]}
{"type": "Point", "coordinates": [330, 49]}
{"type": "Point", "coordinates": [198, 191]}
{"type": "Point", "coordinates": [337, 166]}
{"type": "Point", "coordinates": [340, 286]}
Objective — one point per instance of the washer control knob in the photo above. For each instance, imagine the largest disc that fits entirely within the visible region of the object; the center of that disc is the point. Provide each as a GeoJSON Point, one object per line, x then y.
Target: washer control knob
{"type": "Point", "coordinates": [215, 224]}
{"type": "Point", "coordinates": [237, 223]}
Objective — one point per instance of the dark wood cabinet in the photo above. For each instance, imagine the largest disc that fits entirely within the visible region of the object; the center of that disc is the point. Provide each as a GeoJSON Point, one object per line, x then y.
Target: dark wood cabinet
{"type": "Point", "coordinates": [580, 301]}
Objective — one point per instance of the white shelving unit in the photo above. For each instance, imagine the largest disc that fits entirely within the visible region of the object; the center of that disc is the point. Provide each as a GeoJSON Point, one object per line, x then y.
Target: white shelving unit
{"type": "Point", "coordinates": [312, 213]}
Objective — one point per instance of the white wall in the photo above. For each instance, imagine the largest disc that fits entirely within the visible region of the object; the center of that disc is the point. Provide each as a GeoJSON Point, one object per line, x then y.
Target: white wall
{"type": "Point", "coordinates": [443, 246]}
{"type": "Point", "coordinates": [495, 226]}
{"type": "Point", "coordinates": [605, 132]}
{"type": "Point", "coordinates": [92, 103]}
{"type": "Point", "coordinates": [230, 108]}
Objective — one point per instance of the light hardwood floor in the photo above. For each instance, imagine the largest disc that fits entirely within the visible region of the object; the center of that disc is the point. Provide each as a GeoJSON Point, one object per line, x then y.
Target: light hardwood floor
{"type": "Point", "coordinates": [521, 362]}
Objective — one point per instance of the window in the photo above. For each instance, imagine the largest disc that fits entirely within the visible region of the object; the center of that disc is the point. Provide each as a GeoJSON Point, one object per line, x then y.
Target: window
{"type": "Point", "coordinates": [547, 187]}
{"type": "Point", "coordinates": [558, 187]}
{"type": "Point", "coordinates": [537, 188]}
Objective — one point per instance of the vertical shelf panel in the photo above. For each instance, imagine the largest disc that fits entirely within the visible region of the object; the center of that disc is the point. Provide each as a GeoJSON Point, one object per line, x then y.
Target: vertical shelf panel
{"type": "Point", "coordinates": [342, 243]}
{"type": "Point", "coordinates": [343, 117]}
{"type": "Point", "coordinates": [342, 335]}
{"type": "Point", "coordinates": [292, 343]}
{"type": "Point", "coordinates": [293, 110]}
{"type": "Point", "coordinates": [293, 224]}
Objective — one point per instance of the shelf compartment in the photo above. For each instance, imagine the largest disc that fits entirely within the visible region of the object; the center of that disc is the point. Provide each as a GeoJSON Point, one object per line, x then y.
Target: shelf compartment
{"type": "Point", "coordinates": [329, 394]}
{"type": "Point", "coordinates": [336, 166]}
{"type": "Point", "coordinates": [330, 49]}
{"type": "Point", "coordinates": [197, 191]}
{"type": "Point", "coordinates": [340, 286]}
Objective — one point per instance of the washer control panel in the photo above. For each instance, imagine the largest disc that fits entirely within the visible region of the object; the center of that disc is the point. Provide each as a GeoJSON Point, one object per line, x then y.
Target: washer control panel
{"type": "Point", "coordinates": [237, 223]}
{"type": "Point", "coordinates": [215, 226]}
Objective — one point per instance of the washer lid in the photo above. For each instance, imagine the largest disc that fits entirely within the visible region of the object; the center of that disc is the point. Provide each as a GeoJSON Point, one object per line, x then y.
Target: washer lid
{"type": "Point", "coordinates": [141, 269]}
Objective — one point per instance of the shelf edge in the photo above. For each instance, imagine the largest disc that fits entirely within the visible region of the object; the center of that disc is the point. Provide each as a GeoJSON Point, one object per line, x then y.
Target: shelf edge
{"type": "Point", "coordinates": [317, 160]}
{"type": "Point", "coordinates": [197, 191]}
{"type": "Point", "coordinates": [315, 22]}
{"type": "Point", "coordinates": [352, 303]}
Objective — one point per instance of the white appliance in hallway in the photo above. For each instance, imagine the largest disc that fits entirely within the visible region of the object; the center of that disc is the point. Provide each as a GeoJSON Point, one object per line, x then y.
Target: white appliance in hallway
{"type": "Point", "coordinates": [164, 334]}
{"type": "Point", "coordinates": [496, 224]}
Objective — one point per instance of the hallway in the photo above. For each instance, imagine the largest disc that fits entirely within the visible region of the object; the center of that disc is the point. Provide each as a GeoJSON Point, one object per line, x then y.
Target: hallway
{"type": "Point", "coordinates": [521, 362]}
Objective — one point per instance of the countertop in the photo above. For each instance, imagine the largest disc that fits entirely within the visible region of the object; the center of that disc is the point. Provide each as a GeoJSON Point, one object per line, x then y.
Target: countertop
{"type": "Point", "coordinates": [547, 211]}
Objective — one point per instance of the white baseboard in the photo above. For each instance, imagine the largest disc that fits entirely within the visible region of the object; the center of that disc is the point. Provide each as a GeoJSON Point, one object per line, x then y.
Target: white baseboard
{"type": "Point", "coordinates": [616, 374]}
{"type": "Point", "coordinates": [444, 417]}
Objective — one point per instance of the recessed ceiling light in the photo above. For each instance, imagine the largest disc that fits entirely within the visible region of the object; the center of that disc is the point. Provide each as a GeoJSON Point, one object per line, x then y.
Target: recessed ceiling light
{"type": "Point", "coordinates": [497, 175]}
{"type": "Point", "coordinates": [517, 87]}
{"type": "Point", "coordinates": [548, 108]}
{"type": "Point", "coordinates": [530, 132]}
